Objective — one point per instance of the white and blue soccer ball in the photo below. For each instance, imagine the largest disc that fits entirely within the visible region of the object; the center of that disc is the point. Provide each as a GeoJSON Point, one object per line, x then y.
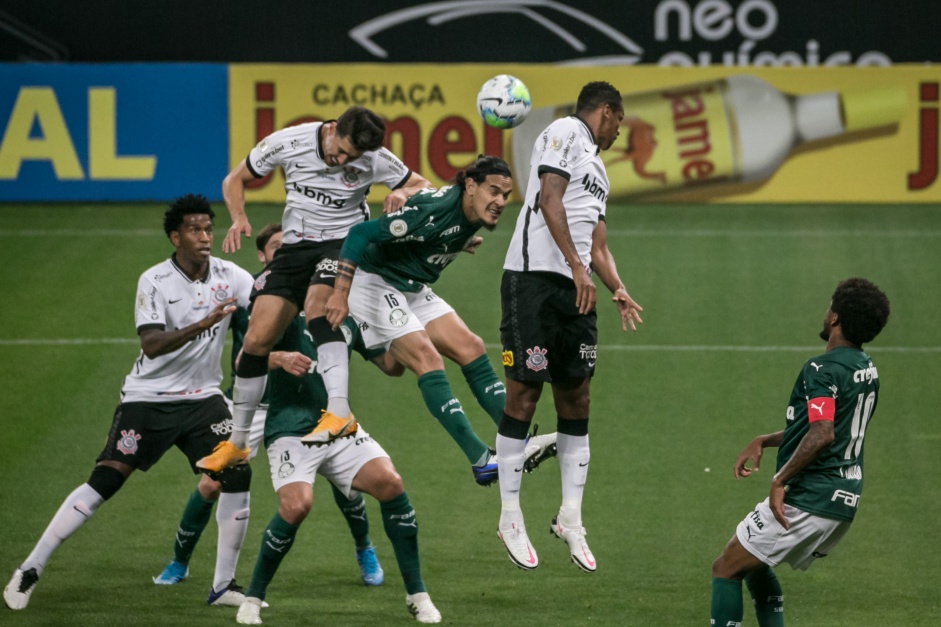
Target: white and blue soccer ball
{"type": "Point", "coordinates": [503, 101]}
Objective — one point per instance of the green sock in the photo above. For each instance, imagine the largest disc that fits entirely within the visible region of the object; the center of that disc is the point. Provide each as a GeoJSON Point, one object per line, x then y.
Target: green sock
{"type": "Point", "coordinates": [727, 607]}
{"type": "Point", "coordinates": [486, 387]}
{"type": "Point", "coordinates": [354, 510]}
{"type": "Point", "coordinates": [196, 516]}
{"type": "Point", "coordinates": [440, 401]}
{"type": "Point", "coordinates": [400, 524]}
{"type": "Point", "coordinates": [276, 541]}
{"type": "Point", "coordinates": [765, 590]}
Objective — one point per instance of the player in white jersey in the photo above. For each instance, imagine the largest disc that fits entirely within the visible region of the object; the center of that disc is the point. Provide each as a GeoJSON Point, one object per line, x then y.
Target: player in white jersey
{"type": "Point", "coordinates": [198, 510]}
{"type": "Point", "coordinates": [548, 328]}
{"type": "Point", "coordinates": [171, 397]}
{"type": "Point", "coordinates": [328, 169]}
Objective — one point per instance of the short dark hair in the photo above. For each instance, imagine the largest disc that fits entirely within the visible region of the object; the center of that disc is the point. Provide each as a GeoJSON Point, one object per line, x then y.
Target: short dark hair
{"type": "Point", "coordinates": [365, 129]}
{"type": "Point", "coordinates": [597, 94]}
{"type": "Point", "coordinates": [484, 166]}
{"type": "Point", "coordinates": [266, 233]}
{"type": "Point", "coordinates": [863, 310]}
{"type": "Point", "coordinates": [182, 206]}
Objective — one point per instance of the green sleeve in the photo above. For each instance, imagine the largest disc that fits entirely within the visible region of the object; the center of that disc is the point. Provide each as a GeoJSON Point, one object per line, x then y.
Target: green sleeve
{"type": "Point", "coordinates": [359, 237]}
{"type": "Point", "coordinates": [388, 228]}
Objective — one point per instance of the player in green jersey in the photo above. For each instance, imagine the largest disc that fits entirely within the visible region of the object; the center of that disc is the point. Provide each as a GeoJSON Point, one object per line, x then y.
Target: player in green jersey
{"type": "Point", "coordinates": [198, 509]}
{"type": "Point", "coordinates": [354, 463]}
{"type": "Point", "coordinates": [819, 478]}
{"type": "Point", "coordinates": [398, 255]}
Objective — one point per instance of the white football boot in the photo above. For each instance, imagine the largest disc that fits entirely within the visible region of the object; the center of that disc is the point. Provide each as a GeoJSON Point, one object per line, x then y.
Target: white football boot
{"type": "Point", "coordinates": [517, 545]}
{"type": "Point", "coordinates": [578, 548]}
{"type": "Point", "coordinates": [420, 606]}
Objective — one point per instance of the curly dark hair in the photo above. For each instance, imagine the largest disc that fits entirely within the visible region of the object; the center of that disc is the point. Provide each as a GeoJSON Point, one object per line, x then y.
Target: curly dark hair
{"type": "Point", "coordinates": [182, 206]}
{"type": "Point", "coordinates": [597, 94]}
{"type": "Point", "coordinates": [863, 310]}
{"type": "Point", "coordinates": [365, 129]}
{"type": "Point", "coordinates": [266, 233]}
{"type": "Point", "coordinates": [481, 168]}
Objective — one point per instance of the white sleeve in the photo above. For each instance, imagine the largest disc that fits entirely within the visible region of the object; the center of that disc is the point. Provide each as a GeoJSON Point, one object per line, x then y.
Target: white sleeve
{"type": "Point", "coordinates": [562, 148]}
{"type": "Point", "coordinates": [151, 305]}
{"type": "Point", "coordinates": [389, 169]}
{"type": "Point", "coordinates": [243, 286]}
{"type": "Point", "coordinates": [267, 155]}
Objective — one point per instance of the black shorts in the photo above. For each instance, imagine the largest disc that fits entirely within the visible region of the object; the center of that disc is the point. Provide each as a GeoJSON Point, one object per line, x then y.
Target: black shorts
{"type": "Point", "coordinates": [544, 337]}
{"type": "Point", "coordinates": [296, 267]}
{"type": "Point", "coordinates": [142, 432]}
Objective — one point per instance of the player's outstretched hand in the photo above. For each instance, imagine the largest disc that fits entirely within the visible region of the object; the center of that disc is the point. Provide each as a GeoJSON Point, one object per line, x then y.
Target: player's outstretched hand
{"type": "Point", "coordinates": [233, 237]}
{"type": "Point", "coordinates": [219, 312]}
{"type": "Point", "coordinates": [337, 308]}
{"type": "Point", "coordinates": [752, 453]}
{"type": "Point", "coordinates": [585, 292]}
{"type": "Point", "coordinates": [394, 201]}
{"type": "Point", "coordinates": [473, 244]}
{"type": "Point", "coordinates": [629, 310]}
{"type": "Point", "coordinates": [291, 362]}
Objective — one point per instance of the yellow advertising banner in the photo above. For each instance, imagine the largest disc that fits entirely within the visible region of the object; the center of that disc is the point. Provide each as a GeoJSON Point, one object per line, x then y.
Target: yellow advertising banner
{"type": "Point", "coordinates": [750, 135]}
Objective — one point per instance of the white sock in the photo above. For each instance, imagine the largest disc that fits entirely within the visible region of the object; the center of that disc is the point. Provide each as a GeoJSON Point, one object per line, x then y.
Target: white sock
{"type": "Point", "coordinates": [574, 456]}
{"type": "Point", "coordinates": [232, 518]}
{"type": "Point", "coordinates": [247, 393]}
{"type": "Point", "coordinates": [333, 364]}
{"type": "Point", "coordinates": [75, 510]}
{"type": "Point", "coordinates": [511, 453]}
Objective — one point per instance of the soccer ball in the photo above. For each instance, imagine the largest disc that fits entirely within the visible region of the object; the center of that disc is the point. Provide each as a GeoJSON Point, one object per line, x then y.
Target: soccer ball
{"type": "Point", "coordinates": [503, 101]}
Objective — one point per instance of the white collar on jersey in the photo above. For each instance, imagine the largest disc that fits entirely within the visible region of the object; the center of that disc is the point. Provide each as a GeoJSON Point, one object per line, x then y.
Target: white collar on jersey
{"type": "Point", "coordinates": [204, 279]}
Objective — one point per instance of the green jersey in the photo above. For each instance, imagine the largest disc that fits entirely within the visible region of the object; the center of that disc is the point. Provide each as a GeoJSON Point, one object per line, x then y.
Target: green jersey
{"type": "Point", "coordinates": [239, 326]}
{"type": "Point", "coordinates": [842, 384]}
{"type": "Point", "coordinates": [411, 247]}
{"type": "Point", "coordinates": [295, 403]}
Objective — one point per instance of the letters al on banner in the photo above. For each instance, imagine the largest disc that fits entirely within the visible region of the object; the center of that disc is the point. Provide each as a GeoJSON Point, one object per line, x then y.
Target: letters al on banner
{"type": "Point", "coordinates": [112, 131]}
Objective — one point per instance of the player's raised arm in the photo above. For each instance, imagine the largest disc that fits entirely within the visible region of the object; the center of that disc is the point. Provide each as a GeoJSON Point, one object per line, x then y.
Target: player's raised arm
{"type": "Point", "coordinates": [753, 452]}
{"type": "Point", "coordinates": [233, 192]}
{"type": "Point", "coordinates": [155, 341]}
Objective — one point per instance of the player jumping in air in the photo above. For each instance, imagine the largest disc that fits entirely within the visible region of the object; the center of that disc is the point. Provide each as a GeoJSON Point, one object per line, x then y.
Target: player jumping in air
{"type": "Point", "coordinates": [398, 255]}
{"type": "Point", "coordinates": [548, 328]}
{"type": "Point", "coordinates": [328, 170]}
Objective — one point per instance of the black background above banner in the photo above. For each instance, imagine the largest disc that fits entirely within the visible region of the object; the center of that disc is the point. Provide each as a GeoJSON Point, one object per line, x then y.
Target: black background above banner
{"type": "Point", "coordinates": [664, 32]}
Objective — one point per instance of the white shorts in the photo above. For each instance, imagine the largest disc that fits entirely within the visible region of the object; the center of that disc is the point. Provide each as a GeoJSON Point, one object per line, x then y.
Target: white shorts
{"type": "Point", "coordinates": [337, 462]}
{"type": "Point", "coordinates": [384, 313]}
{"type": "Point", "coordinates": [809, 537]}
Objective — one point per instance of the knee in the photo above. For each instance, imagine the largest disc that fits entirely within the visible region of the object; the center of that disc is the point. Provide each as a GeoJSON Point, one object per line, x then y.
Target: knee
{"type": "Point", "coordinates": [717, 570]}
{"type": "Point", "coordinates": [470, 348]}
{"type": "Point", "coordinates": [208, 488]}
{"type": "Point", "coordinates": [258, 342]}
{"type": "Point", "coordinates": [723, 569]}
{"type": "Point", "coordinates": [427, 359]}
{"type": "Point", "coordinates": [294, 509]}
{"type": "Point", "coordinates": [389, 486]}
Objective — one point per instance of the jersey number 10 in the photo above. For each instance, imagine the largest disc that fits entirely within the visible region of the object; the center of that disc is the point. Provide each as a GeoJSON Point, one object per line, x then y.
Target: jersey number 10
{"type": "Point", "coordinates": [860, 419]}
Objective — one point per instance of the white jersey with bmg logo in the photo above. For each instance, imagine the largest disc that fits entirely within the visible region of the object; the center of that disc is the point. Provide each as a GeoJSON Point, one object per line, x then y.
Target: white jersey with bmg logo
{"type": "Point", "coordinates": [567, 148]}
{"type": "Point", "coordinates": [169, 299]}
{"type": "Point", "coordinates": [323, 202]}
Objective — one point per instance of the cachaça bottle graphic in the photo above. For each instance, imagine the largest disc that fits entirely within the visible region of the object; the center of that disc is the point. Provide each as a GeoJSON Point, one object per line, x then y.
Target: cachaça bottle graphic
{"type": "Point", "coordinates": [739, 128]}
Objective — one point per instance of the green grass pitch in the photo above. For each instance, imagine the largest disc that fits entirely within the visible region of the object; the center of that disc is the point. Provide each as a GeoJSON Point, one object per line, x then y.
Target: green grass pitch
{"type": "Point", "coordinates": [733, 299]}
